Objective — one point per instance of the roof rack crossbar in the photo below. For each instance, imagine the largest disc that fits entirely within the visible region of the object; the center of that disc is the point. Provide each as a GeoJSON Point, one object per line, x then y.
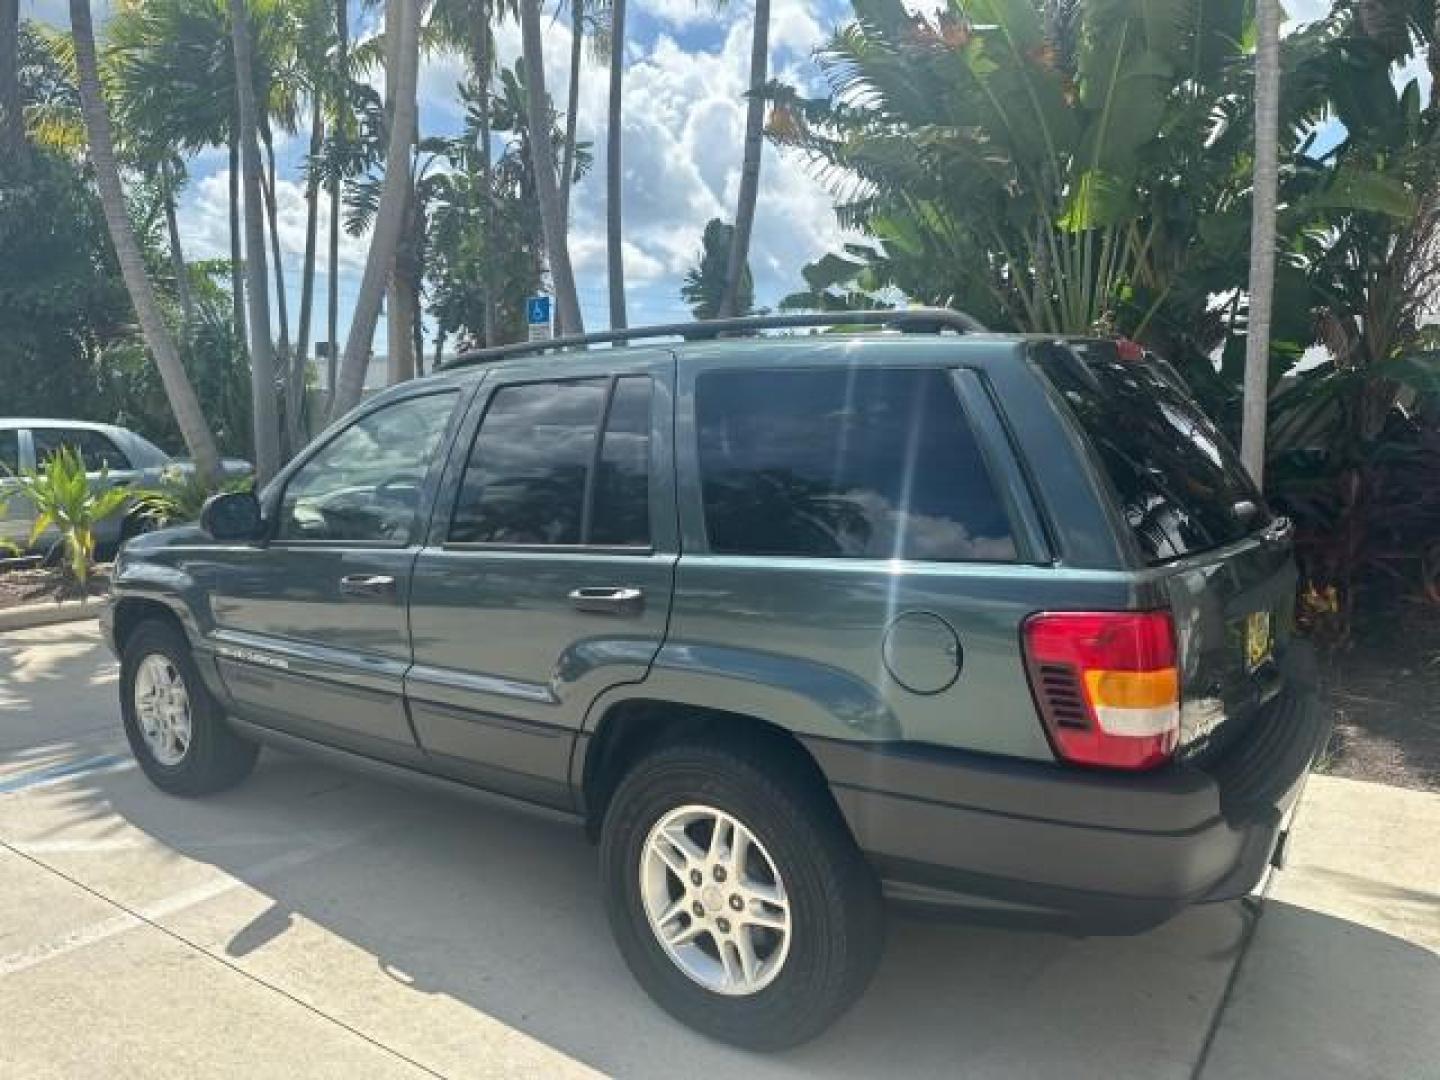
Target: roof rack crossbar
{"type": "Point", "coordinates": [907, 321]}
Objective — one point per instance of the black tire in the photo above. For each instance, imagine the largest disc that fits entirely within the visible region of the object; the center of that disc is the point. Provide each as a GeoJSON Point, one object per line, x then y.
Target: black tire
{"type": "Point", "coordinates": [834, 899]}
{"type": "Point", "coordinates": [216, 758]}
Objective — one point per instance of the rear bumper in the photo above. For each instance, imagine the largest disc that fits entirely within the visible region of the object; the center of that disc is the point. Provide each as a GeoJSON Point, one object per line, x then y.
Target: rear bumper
{"type": "Point", "coordinates": [1109, 851]}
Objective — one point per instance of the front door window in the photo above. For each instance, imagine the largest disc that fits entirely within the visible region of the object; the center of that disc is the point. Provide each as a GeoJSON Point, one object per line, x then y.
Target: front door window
{"type": "Point", "coordinates": [364, 485]}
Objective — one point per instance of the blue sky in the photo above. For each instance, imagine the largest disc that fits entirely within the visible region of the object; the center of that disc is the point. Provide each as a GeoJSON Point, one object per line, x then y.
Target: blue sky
{"type": "Point", "coordinates": [687, 69]}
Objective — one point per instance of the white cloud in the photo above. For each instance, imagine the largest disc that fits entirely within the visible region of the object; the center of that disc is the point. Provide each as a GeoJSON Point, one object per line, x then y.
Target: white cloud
{"type": "Point", "coordinates": [204, 215]}
{"type": "Point", "coordinates": [683, 127]}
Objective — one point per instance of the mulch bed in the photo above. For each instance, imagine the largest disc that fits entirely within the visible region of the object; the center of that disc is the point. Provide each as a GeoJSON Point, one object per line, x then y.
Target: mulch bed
{"type": "Point", "coordinates": [34, 585]}
{"type": "Point", "coordinates": [1384, 689]}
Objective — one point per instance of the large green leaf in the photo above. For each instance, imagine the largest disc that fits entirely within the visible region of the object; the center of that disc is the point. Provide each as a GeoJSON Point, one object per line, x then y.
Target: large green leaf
{"type": "Point", "coordinates": [830, 270]}
{"type": "Point", "coordinates": [1419, 371]}
{"type": "Point", "coordinates": [1125, 95]}
{"type": "Point", "coordinates": [1098, 200]}
{"type": "Point", "coordinates": [1357, 188]}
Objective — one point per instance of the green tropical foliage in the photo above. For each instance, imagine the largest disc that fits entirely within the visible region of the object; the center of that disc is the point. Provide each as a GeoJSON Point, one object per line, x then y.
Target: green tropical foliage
{"type": "Point", "coordinates": [180, 496]}
{"type": "Point", "coordinates": [64, 499]}
{"type": "Point", "coordinates": [704, 282]}
{"type": "Point", "coordinates": [462, 254]}
{"type": "Point", "coordinates": [1037, 164]}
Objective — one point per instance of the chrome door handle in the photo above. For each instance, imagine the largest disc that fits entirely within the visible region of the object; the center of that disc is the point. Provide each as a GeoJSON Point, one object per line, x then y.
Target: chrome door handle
{"type": "Point", "coordinates": [608, 600]}
{"type": "Point", "coordinates": [367, 585]}
{"type": "Point", "coordinates": [1278, 531]}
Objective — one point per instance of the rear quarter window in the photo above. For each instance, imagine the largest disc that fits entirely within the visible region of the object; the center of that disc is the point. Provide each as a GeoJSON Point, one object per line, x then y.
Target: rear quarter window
{"type": "Point", "coordinates": [845, 463]}
{"type": "Point", "coordinates": [1176, 478]}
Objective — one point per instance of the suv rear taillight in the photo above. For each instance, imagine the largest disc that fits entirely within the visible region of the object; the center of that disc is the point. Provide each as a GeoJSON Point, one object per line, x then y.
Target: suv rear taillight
{"type": "Point", "coordinates": [1106, 685]}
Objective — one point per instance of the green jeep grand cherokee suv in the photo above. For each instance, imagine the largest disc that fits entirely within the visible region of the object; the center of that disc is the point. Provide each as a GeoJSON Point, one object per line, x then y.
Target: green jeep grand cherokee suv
{"type": "Point", "coordinates": [990, 620]}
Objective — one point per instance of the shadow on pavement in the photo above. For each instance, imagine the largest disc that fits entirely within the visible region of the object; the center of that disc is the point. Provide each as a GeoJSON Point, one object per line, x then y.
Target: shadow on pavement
{"type": "Point", "coordinates": [448, 903]}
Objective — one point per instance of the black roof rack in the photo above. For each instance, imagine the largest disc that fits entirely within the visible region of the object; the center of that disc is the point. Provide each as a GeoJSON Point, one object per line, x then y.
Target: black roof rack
{"type": "Point", "coordinates": [907, 321]}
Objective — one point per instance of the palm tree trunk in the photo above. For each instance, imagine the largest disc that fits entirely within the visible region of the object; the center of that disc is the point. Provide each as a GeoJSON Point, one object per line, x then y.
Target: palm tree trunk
{"type": "Point", "coordinates": [332, 318]}
{"type": "Point", "coordinates": [183, 402]}
{"type": "Point", "coordinates": [1262, 238]}
{"type": "Point", "coordinates": [389, 218]}
{"type": "Point", "coordinates": [295, 382]}
{"type": "Point", "coordinates": [177, 254]}
{"type": "Point", "coordinates": [12, 121]}
{"type": "Point", "coordinates": [552, 221]}
{"type": "Point", "coordinates": [400, 362]}
{"type": "Point", "coordinates": [615, 252]}
{"type": "Point", "coordinates": [572, 108]}
{"type": "Point", "coordinates": [262, 355]}
{"type": "Point", "coordinates": [267, 189]}
{"type": "Point", "coordinates": [482, 62]}
{"type": "Point", "coordinates": [750, 168]}
{"type": "Point", "coordinates": [237, 261]}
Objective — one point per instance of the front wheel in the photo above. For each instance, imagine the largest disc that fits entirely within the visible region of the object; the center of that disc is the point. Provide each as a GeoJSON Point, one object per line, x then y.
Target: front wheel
{"type": "Point", "coordinates": [736, 896]}
{"type": "Point", "coordinates": [174, 725]}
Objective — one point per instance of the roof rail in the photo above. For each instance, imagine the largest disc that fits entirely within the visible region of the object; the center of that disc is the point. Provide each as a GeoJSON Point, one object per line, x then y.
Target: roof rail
{"type": "Point", "coordinates": [907, 321]}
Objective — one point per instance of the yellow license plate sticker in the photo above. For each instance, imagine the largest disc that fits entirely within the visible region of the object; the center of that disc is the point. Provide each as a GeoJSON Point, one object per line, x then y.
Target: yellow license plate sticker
{"type": "Point", "coordinates": [1258, 641]}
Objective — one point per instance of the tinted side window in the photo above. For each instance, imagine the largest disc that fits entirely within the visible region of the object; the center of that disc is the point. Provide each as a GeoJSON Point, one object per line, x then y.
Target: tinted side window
{"type": "Point", "coordinates": [849, 463]}
{"type": "Point", "coordinates": [9, 451]}
{"type": "Point", "coordinates": [364, 485]}
{"type": "Point", "coordinates": [622, 485]}
{"type": "Point", "coordinates": [97, 451]}
{"type": "Point", "coordinates": [525, 480]}
{"type": "Point", "coordinates": [1179, 483]}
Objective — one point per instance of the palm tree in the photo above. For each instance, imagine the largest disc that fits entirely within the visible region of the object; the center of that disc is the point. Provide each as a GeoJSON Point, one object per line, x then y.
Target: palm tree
{"type": "Point", "coordinates": [585, 22]}
{"type": "Point", "coordinates": [552, 218]}
{"type": "Point", "coordinates": [315, 28]}
{"type": "Point", "coordinates": [171, 174]}
{"type": "Point", "coordinates": [1262, 237]}
{"type": "Point", "coordinates": [750, 167]}
{"type": "Point", "coordinates": [262, 356]}
{"type": "Point", "coordinates": [705, 281]}
{"type": "Point", "coordinates": [12, 124]}
{"type": "Point", "coordinates": [467, 27]}
{"type": "Point", "coordinates": [340, 96]}
{"type": "Point", "coordinates": [295, 381]}
{"type": "Point", "coordinates": [389, 217]}
{"type": "Point", "coordinates": [614, 250]}
{"type": "Point", "coordinates": [183, 402]}
{"type": "Point", "coordinates": [402, 303]}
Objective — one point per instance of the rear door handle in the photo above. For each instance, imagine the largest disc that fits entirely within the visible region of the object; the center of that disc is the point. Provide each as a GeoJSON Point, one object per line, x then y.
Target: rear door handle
{"type": "Point", "coordinates": [367, 585]}
{"type": "Point", "coordinates": [609, 600]}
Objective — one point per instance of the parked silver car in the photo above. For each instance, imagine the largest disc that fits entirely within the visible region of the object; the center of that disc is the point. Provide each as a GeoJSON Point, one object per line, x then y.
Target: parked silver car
{"type": "Point", "coordinates": [124, 458]}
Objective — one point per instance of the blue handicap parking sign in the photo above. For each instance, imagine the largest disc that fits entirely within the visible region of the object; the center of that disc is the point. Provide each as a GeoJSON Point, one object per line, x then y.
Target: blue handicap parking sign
{"type": "Point", "coordinates": [537, 310]}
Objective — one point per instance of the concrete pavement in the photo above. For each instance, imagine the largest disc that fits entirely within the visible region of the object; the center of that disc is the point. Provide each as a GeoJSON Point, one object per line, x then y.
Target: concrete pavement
{"type": "Point", "coordinates": [312, 922]}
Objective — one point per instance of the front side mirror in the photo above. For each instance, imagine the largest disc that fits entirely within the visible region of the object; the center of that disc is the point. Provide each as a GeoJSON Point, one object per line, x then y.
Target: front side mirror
{"type": "Point", "coordinates": [232, 515]}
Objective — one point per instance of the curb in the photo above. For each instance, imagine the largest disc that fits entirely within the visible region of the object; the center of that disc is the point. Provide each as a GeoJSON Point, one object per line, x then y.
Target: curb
{"type": "Point", "coordinates": [48, 613]}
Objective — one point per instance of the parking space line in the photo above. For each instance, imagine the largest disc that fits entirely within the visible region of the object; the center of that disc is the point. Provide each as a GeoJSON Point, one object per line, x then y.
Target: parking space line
{"type": "Point", "coordinates": [149, 914]}
{"type": "Point", "coordinates": [70, 770]}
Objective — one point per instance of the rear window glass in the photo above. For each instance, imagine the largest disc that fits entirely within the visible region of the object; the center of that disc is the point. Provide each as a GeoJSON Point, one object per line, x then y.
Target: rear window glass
{"type": "Point", "coordinates": [845, 463]}
{"type": "Point", "coordinates": [1179, 482]}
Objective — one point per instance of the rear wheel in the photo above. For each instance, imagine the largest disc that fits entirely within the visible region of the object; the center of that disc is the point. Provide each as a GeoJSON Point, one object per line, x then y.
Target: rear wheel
{"type": "Point", "coordinates": [174, 725]}
{"type": "Point", "coordinates": [737, 897]}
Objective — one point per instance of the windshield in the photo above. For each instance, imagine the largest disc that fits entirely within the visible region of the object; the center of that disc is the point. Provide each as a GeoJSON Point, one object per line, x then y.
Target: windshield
{"type": "Point", "coordinates": [147, 454]}
{"type": "Point", "coordinates": [1177, 480]}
